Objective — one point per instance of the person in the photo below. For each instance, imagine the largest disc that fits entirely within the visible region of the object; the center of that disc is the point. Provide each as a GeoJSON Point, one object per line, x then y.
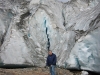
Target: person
{"type": "Point", "coordinates": [51, 62]}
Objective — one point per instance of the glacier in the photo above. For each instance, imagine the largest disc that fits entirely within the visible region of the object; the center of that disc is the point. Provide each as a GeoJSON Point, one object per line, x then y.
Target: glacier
{"type": "Point", "coordinates": [29, 28]}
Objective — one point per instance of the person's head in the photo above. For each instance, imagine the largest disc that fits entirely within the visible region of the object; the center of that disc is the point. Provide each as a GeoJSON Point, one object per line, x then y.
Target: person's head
{"type": "Point", "coordinates": [49, 52]}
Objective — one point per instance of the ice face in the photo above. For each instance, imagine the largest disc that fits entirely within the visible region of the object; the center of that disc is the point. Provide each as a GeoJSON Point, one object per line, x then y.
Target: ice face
{"type": "Point", "coordinates": [64, 1]}
{"type": "Point", "coordinates": [86, 52]}
{"type": "Point", "coordinates": [29, 28]}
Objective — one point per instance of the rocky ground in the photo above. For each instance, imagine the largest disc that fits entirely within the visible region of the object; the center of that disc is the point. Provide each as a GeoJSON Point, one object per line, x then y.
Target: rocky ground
{"type": "Point", "coordinates": [35, 71]}
{"type": "Point", "coordinates": [40, 71]}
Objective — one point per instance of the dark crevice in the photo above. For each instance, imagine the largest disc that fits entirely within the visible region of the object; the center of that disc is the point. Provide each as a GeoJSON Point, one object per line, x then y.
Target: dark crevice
{"type": "Point", "coordinates": [48, 40]}
{"type": "Point", "coordinates": [15, 66]}
{"type": "Point", "coordinates": [74, 68]}
{"type": "Point", "coordinates": [92, 26]}
{"type": "Point", "coordinates": [95, 21]}
{"type": "Point", "coordinates": [25, 15]}
{"type": "Point", "coordinates": [2, 39]}
{"type": "Point", "coordinates": [79, 66]}
{"type": "Point", "coordinates": [22, 17]}
{"type": "Point", "coordinates": [48, 43]}
{"type": "Point", "coordinates": [79, 34]}
{"type": "Point", "coordinates": [64, 24]}
{"type": "Point", "coordinates": [25, 37]}
{"type": "Point", "coordinates": [93, 73]}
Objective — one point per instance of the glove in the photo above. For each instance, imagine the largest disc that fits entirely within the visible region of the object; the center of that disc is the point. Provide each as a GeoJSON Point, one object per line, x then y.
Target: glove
{"type": "Point", "coordinates": [51, 65]}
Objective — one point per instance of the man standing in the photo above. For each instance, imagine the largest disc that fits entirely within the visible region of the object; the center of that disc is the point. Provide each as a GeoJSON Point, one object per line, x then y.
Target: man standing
{"type": "Point", "coordinates": [51, 62]}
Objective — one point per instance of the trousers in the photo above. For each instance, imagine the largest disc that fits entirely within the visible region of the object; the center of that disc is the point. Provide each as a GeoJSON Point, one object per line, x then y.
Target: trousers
{"type": "Point", "coordinates": [52, 70]}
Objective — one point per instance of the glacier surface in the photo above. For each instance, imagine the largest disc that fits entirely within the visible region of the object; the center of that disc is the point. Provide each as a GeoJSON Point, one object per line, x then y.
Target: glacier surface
{"type": "Point", "coordinates": [71, 29]}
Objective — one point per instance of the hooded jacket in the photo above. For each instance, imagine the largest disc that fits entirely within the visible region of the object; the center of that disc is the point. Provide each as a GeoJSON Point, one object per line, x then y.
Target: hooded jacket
{"type": "Point", "coordinates": [51, 60]}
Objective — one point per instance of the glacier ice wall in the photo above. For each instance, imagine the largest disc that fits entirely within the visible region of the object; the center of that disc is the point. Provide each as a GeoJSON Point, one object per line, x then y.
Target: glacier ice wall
{"type": "Point", "coordinates": [28, 28]}
{"type": "Point", "coordinates": [85, 53]}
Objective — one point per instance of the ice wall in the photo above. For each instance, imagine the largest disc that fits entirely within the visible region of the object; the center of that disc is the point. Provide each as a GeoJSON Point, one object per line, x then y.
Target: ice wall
{"type": "Point", "coordinates": [29, 28]}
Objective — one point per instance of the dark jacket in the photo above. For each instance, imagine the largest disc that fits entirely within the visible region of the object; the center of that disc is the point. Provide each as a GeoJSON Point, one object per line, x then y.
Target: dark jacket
{"type": "Point", "coordinates": [51, 60]}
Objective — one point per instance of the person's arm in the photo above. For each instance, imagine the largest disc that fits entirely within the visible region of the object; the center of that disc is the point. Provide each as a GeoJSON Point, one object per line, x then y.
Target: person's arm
{"type": "Point", "coordinates": [54, 60]}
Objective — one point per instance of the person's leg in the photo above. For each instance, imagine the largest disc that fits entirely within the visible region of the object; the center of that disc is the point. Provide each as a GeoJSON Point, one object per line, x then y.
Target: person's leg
{"type": "Point", "coordinates": [53, 70]}
{"type": "Point", "coordinates": [50, 70]}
